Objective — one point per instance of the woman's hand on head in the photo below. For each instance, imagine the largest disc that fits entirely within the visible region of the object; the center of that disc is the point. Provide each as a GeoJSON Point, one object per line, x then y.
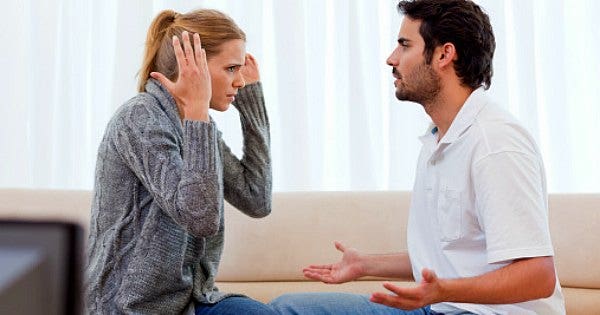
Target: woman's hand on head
{"type": "Point", "coordinates": [250, 70]}
{"type": "Point", "coordinates": [192, 90]}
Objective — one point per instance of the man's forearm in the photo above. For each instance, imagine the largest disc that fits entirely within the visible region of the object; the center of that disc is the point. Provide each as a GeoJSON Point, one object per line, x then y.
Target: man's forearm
{"type": "Point", "coordinates": [395, 265]}
{"type": "Point", "coordinates": [523, 280]}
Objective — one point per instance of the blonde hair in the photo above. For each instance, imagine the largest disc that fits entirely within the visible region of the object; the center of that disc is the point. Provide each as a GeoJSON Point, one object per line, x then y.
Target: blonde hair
{"type": "Point", "coordinates": [214, 28]}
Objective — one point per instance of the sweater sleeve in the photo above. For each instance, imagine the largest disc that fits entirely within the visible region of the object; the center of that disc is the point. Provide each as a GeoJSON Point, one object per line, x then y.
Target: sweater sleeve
{"type": "Point", "coordinates": [247, 182]}
{"type": "Point", "coordinates": [181, 177]}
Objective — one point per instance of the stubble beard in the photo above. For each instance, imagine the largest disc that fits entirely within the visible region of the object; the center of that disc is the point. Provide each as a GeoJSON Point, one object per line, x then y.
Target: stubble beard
{"type": "Point", "coordinates": [425, 87]}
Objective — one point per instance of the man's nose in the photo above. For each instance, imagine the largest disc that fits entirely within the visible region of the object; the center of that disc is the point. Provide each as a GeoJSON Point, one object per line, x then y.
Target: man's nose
{"type": "Point", "coordinates": [392, 60]}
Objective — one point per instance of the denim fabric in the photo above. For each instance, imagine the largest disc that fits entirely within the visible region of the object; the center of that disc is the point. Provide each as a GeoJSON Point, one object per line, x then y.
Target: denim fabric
{"type": "Point", "coordinates": [235, 305]}
{"type": "Point", "coordinates": [335, 303]}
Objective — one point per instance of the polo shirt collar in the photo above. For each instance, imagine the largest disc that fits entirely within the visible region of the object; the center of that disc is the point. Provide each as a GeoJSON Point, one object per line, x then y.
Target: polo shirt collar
{"type": "Point", "coordinates": [463, 120]}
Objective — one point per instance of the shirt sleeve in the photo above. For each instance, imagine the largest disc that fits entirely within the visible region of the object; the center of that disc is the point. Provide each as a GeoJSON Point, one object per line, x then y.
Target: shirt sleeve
{"type": "Point", "coordinates": [247, 181]}
{"type": "Point", "coordinates": [181, 177]}
{"type": "Point", "coordinates": [512, 206]}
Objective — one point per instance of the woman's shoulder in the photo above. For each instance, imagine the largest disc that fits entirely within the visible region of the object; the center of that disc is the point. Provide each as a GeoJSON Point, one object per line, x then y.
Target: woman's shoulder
{"type": "Point", "coordinates": [138, 105]}
{"type": "Point", "coordinates": [140, 110]}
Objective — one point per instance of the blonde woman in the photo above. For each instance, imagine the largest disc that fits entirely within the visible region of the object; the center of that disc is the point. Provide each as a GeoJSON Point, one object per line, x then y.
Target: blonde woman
{"type": "Point", "coordinates": [163, 172]}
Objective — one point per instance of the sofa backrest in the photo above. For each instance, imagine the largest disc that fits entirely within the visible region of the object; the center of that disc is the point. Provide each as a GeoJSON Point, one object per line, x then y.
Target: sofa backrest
{"type": "Point", "coordinates": [303, 226]}
{"type": "Point", "coordinates": [575, 231]}
{"type": "Point", "coordinates": [301, 230]}
{"type": "Point", "coordinates": [40, 204]}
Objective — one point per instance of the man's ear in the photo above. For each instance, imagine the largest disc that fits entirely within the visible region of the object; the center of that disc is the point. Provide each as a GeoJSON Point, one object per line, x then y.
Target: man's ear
{"type": "Point", "coordinates": [446, 54]}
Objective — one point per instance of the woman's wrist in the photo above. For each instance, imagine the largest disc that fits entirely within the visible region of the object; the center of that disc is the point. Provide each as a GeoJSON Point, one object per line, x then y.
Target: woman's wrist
{"type": "Point", "coordinates": [195, 112]}
{"type": "Point", "coordinates": [197, 117]}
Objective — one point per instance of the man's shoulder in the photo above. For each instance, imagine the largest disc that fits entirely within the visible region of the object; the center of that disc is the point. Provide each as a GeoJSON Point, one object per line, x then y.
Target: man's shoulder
{"type": "Point", "coordinates": [499, 131]}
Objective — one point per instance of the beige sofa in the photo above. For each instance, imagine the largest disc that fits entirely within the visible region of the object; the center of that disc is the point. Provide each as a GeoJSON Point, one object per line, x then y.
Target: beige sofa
{"type": "Point", "coordinates": [263, 257]}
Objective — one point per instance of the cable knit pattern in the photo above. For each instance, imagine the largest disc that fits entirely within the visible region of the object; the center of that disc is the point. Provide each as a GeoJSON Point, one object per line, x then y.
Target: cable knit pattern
{"type": "Point", "coordinates": [156, 232]}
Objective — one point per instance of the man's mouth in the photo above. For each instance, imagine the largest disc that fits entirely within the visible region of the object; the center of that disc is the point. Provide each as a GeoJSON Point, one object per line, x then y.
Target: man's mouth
{"type": "Point", "coordinates": [395, 74]}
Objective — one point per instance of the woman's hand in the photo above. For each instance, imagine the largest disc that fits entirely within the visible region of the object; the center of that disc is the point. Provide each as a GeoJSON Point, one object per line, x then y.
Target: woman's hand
{"type": "Point", "coordinates": [250, 70]}
{"type": "Point", "coordinates": [192, 90]}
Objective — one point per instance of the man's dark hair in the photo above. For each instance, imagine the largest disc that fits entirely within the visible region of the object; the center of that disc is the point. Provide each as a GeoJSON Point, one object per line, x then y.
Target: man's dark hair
{"type": "Point", "coordinates": [462, 23]}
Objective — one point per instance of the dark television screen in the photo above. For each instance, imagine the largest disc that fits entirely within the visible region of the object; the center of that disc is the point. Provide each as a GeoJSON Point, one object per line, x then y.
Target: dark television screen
{"type": "Point", "coordinates": [40, 268]}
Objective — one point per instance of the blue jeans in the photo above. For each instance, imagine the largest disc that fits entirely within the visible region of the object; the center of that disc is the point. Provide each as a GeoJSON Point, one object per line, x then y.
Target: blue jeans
{"type": "Point", "coordinates": [335, 303]}
{"type": "Point", "coordinates": [234, 305]}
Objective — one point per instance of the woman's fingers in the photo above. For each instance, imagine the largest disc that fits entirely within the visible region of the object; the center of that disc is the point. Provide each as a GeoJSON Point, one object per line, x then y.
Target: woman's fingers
{"type": "Point", "coordinates": [250, 60]}
{"type": "Point", "coordinates": [190, 58]}
{"type": "Point", "coordinates": [187, 48]}
{"type": "Point", "coordinates": [164, 81]}
{"type": "Point", "coordinates": [198, 50]}
{"type": "Point", "coordinates": [179, 56]}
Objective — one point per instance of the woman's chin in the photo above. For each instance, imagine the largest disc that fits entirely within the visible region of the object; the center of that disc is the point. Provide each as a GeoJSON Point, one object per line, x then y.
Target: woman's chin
{"type": "Point", "coordinates": [220, 107]}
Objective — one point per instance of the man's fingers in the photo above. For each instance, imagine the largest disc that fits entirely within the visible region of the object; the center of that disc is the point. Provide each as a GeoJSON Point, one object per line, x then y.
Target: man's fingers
{"type": "Point", "coordinates": [394, 301]}
{"type": "Point", "coordinates": [385, 299]}
{"type": "Point", "coordinates": [428, 275]}
{"type": "Point", "coordinates": [339, 246]}
{"type": "Point", "coordinates": [319, 271]}
{"type": "Point", "coordinates": [407, 294]}
{"type": "Point", "coordinates": [397, 290]}
{"type": "Point", "coordinates": [311, 275]}
{"type": "Point", "coordinates": [379, 297]}
{"type": "Point", "coordinates": [318, 277]}
{"type": "Point", "coordinates": [319, 267]}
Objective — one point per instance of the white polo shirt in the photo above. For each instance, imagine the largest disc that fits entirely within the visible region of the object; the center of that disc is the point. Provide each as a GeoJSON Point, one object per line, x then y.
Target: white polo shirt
{"type": "Point", "coordinates": [479, 202]}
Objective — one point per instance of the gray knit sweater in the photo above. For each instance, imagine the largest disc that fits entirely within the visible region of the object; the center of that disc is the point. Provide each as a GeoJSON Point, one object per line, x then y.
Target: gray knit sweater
{"type": "Point", "coordinates": [156, 232]}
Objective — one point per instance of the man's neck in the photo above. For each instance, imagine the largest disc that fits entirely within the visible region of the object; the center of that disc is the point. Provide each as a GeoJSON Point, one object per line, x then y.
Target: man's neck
{"type": "Point", "coordinates": [446, 106]}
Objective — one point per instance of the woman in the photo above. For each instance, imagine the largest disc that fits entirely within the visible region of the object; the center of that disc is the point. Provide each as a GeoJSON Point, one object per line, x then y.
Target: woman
{"type": "Point", "coordinates": [156, 232]}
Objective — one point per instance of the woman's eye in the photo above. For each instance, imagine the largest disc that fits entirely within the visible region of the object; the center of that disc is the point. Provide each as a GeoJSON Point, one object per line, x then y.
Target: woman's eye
{"type": "Point", "coordinates": [231, 69]}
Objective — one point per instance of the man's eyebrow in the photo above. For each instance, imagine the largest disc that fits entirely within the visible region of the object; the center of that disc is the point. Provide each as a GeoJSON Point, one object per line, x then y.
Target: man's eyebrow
{"type": "Point", "coordinates": [403, 40]}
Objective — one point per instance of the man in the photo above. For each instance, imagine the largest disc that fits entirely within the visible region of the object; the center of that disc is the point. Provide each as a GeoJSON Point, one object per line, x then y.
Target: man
{"type": "Point", "coordinates": [478, 237]}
